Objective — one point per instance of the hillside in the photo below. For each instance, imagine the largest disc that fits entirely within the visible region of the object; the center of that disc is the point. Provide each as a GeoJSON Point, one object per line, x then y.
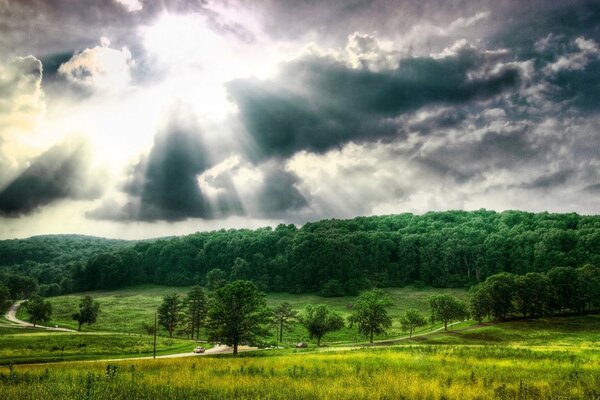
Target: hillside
{"type": "Point", "coordinates": [330, 257]}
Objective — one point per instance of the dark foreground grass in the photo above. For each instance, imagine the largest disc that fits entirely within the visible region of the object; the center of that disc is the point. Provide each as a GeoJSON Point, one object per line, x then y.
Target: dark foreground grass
{"type": "Point", "coordinates": [403, 372]}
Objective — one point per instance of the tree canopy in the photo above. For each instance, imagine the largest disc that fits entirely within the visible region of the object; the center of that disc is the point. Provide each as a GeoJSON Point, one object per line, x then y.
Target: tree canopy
{"type": "Point", "coordinates": [39, 309]}
{"type": "Point", "coordinates": [446, 308]}
{"type": "Point", "coordinates": [329, 257]}
{"type": "Point", "coordinates": [237, 314]}
{"type": "Point", "coordinates": [88, 311]}
{"type": "Point", "coordinates": [320, 320]}
{"type": "Point", "coordinates": [370, 313]}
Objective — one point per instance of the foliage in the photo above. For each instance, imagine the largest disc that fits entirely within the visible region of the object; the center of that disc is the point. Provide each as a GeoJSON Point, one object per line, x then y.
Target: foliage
{"type": "Point", "coordinates": [283, 317]}
{"type": "Point", "coordinates": [536, 294]}
{"type": "Point", "coordinates": [237, 314]}
{"type": "Point", "coordinates": [370, 313]}
{"type": "Point", "coordinates": [446, 309]}
{"type": "Point", "coordinates": [170, 313]}
{"type": "Point", "coordinates": [195, 310]}
{"type": "Point", "coordinates": [4, 298]}
{"type": "Point", "coordinates": [88, 312]}
{"type": "Point", "coordinates": [411, 320]}
{"type": "Point", "coordinates": [320, 320]}
{"type": "Point", "coordinates": [215, 278]}
{"type": "Point", "coordinates": [330, 257]}
{"type": "Point", "coordinates": [39, 309]}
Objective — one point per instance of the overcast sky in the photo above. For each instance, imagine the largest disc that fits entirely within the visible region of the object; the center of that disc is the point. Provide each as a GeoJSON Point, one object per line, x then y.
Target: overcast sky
{"type": "Point", "coordinates": [140, 118]}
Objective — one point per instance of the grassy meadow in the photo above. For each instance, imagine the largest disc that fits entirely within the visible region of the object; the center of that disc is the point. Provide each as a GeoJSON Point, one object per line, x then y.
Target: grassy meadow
{"type": "Point", "coordinates": [27, 346]}
{"type": "Point", "coordinates": [481, 364]}
{"type": "Point", "coordinates": [127, 310]}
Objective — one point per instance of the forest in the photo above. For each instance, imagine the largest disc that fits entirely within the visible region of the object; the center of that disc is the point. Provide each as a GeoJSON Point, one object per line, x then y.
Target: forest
{"type": "Point", "coordinates": [328, 257]}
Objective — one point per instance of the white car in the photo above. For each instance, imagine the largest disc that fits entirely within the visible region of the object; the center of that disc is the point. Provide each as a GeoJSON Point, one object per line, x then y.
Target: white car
{"type": "Point", "coordinates": [199, 350]}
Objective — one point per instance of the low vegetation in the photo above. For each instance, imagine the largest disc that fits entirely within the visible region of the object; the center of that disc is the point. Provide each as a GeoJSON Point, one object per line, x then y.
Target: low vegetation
{"type": "Point", "coordinates": [19, 345]}
{"type": "Point", "coordinates": [513, 360]}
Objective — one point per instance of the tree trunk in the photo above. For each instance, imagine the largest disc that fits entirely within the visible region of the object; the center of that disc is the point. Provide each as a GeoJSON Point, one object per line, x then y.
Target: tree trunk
{"type": "Point", "coordinates": [445, 326]}
{"type": "Point", "coordinates": [371, 337]}
{"type": "Point", "coordinates": [281, 331]}
{"type": "Point", "coordinates": [235, 349]}
{"type": "Point", "coordinates": [319, 341]}
{"type": "Point", "coordinates": [79, 327]}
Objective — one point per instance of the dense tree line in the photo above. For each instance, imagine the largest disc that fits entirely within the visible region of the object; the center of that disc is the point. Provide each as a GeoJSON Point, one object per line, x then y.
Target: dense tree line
{"type": "Point", "coordinates": [340, 257]}
{"type": "Point", "coordinates": [557, 291]}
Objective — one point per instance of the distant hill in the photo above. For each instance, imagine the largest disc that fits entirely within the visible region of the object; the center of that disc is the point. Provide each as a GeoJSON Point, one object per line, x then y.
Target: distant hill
{"type": "Point", "coordinates": [55, 248]}
{"type": "Point", "coordinates": [330, 257]}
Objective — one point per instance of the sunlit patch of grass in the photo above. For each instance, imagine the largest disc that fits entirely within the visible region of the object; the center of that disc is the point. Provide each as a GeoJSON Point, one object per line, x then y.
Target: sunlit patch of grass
{"type": "Point", "coordinates": [402, 372]}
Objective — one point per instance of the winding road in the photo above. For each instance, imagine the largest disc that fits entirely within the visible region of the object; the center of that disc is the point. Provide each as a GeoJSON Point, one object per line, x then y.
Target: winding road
{"type": "Point", "coordinates": [11, 315]}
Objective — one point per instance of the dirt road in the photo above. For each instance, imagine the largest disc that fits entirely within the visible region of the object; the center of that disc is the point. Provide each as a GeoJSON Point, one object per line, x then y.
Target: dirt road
{"type": "Point", "coordinates": [11, 315]}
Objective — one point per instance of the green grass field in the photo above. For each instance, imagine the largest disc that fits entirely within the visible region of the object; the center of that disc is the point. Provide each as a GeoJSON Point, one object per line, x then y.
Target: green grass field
{"type": "Point", "coordinates": [546, 359]}
{"type": "Point", "coordinates": [27, 346]}
{"type": "Point", "coordinates": [127, 310]}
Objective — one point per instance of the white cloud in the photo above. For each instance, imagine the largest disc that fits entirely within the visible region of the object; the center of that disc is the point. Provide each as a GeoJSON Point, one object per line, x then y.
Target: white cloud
{"type": "Point", "coordinates": [588, 49]}
{"type": "Point", "coordinates": [131, 5]}
{"type": "Point", "coordinates": [100, 68]}
{"type": "Point", "coordinates": [22, 108]}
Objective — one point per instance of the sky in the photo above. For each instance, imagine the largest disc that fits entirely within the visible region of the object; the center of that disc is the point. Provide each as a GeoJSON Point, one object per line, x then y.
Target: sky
{"type": "Point", "coordinates": [139, 118]}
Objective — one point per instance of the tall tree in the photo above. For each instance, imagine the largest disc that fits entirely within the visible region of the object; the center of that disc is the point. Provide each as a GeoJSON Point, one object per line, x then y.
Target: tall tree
{"type": "Point", "coordinates": [411, 320]}
{"type": "Point", "coordinates": [479, 302]}
{"type": "Point", "coordinates": [501, 288]}
{"type": "Point", "coordinates": [283, 317]}
{"type": "Point", "coordinates": [531, 294]}
{"type": "Point", "coordinates": [4, 297]}
{"type": "Point", "coordinates": [196, 309]}
{"type": "Point", "coordinates": [169, 313]}
{"type": "Point", "coordinates": [88, 312]}
{"type": "Point", "coordinates": [320, 320]}
{"type": "Point", "coordinates": [216, 278]}
{"type": "Point", "coordinates": [446, 308]}
{"type": "Point", "coordinates": [39, 310]}
{"type": "Point", "coordinates": [238, 313]}
{"type": "Point", "coordinates": [370, 313]}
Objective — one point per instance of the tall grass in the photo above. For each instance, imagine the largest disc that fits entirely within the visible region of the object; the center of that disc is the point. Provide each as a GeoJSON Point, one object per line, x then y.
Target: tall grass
{"type": "Point", "coordinates": [407, 372]}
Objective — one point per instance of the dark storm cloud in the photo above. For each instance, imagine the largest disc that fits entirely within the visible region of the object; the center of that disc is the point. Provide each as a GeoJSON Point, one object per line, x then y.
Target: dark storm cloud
{"type": "Point", "coordinates": [59, 173]}
{"type": "Point", "coordinates": [279, 193]}
{"type": "Point", "coordinates": [595, 188]}
{"type": "Point", "coordinates": [168, 187]}
{"type": "Point", "coordinates": [550, 180]}
{"type": "Point", "coordinates": [337, 104]}
{"type": "Point", "coordinates": [577, 87]}
{"type": "Point", "coordinates": [51, 27]}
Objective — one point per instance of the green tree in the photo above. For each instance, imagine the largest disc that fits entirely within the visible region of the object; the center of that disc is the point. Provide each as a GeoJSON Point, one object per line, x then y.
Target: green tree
{"type": "Point", "coordinates": [531, 294]}
{"type": "Point", "coordinates": [4, 297]}
{"type": "Point", "coordinates": [216, 278]}
{"type": "Point", "coordinates": [500, 289]}
{"type": "Point", "coordinates": [283, 317]}
{"type": "Point", "coordinates": [565, 288]}
{"type": "Point", "coordinates": [411, 320]}
{"type": "Point", "coordinates": [39, 310]}
{"type": "Point", "coordinates": [170, 313]}
{"type": "Point", "coordinates": [479, 302]}
{"type": "Point", "coordinates": [196, 309]}
{"type": "Point", "coordinates": [589, 285]}
{"type": "Point", "coordinates": [320, 320]}
{"type": "Point", "coordinates": [446, 308]}
{"type": "Point", "coordinates": [88, 311]}
{"type": "Point", "coordinates": [370, 313]}
{"type": "Point", "coordinates": [238, 313]}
